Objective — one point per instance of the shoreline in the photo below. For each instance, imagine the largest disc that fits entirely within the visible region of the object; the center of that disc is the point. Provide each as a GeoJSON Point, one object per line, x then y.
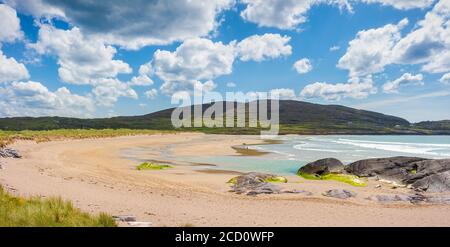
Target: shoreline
{"type": "Point", "coordinates": [93, 175]}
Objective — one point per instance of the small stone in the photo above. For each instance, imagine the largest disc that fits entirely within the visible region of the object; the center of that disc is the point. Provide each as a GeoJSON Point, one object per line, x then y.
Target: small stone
{"type": "Point", "coordinates": [378, 186]}
{"type": "Point", "coordinates": [339, 193]}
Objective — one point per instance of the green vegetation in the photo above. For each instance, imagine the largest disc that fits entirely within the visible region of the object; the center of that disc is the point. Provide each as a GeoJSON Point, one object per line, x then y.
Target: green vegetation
{"type": "Point", "coordinates": [296, 117]}
{"type": "Point", "coordinates": [15, 211]}
{"type": "Point", "coordinates": [345, 178]}
{"type": "Point", "coordinates": [152, 166]}
{"type": "Point", "coordinates": [7, 137]}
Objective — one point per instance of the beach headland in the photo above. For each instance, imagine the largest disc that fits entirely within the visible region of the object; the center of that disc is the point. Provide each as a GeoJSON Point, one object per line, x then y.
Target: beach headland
{"type": "Point", "coordinates": [96, 176]}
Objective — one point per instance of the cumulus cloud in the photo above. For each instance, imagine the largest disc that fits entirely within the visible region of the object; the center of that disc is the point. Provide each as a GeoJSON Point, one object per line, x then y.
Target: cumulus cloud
{"type": "Point", "coordinates": [429, 43]}
{"type": "Point", "coordinates": [356, 88]}
{"type": "Point", "coordinates": [10, 24]}
{"type": "Point", "coordinates": [151, 94]}
{"type": "Point", "coordinates": [283, 93]}
{"type": "Point", "coordinates": [403, 4]}
{"type": "Point", "coordinates": [370, 51]}
{"type": "Point", "coordinates": [262, 47]}
{"type": "Point", "coordinates": [231, 84]}
{"type": "Point", "coordinates": [303, 66]}
{"type": "Point", "coordinates": [34, 99]}
{"type": "Point", "coordinates": [135, 23]}
{"type": "Point", "coordinates": [198, 60]}
{"type": "Point", "coordinates": [108, 90]}
{"type": "Point", "coordinates": [82, 60]}
{"type": "Point", "coordinates": [143, 79]}
{"type": "Point", "coordinates": [335, 48]}
{"type": "Point", "coordinates": [11, 70]}
{"type": "Point", "coordinates": [445, 78]}
{"type": "Point", "coordinates": [405, 79]}
{"type": "Point", "coordinates": [282, 14]}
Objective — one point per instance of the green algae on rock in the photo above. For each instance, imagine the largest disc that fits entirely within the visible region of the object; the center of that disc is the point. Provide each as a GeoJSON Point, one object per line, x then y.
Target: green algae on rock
{"type": "Point", "coordinates": [152, 166]}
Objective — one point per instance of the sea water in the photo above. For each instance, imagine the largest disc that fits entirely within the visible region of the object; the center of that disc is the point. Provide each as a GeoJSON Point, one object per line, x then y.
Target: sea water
{"type": "Point", "coordinates": [296, 151]}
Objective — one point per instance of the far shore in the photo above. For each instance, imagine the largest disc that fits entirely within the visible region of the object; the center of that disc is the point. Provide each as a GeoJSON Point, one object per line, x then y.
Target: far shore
{"type": "Point", "coordinates": [96, 177]}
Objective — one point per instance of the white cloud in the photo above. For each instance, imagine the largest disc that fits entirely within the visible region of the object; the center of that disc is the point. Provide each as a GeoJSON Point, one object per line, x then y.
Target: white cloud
{"type": "Point", "coordinates": [82, 60]}
{"type": "Point", "coordinates": [403, 4]}
{"type": "Point", "coordinates": [303, 66]}
{"type": "Point", "coordinates": [356, 88]}
{"type": "Point", "coordinates": [289, 14]}
{"type": "Point", "coordinates": [151, 94]}
{"type": "Point", "coordinates": [135, 23]}
{"type": "Point", "coordinates": [143, 79]}
{"type": "Point", "coordinates": [429, 43]}
{"type": "Point", "coordinates": [283, 93]}
{"type": "Point", "coordinates": [282, 14]}
{"type": "Point", "coordinates": [445, 78]}
{"type": "Point", "coordinates": [262, 47]}
{"type": "Point", "coordinates": [108, 90]}
{"type": "Point", "coordinates": [405, 79]}
{"type": "Point", "coordinates": [335, 48]}
{"type": "Point", "coordinates": [34, 99]}
{"type": "Point", "coordinates": [231, 84]}
{"type": "Point", "coordinates": [371, 50]}
{"type": "Point", "coordinates": [9, 24]}
{"type": "Point", "coordinates": [11, 70]}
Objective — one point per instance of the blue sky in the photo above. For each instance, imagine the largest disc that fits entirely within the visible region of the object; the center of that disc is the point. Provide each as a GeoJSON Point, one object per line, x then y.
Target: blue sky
{"type": "Point", "coordinates": [104, 58]}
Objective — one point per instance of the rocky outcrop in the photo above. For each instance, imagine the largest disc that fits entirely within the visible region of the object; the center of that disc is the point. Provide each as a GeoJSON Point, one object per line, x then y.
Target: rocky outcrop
{"type": "Point", "coordinates": [414, 198]}
{"type": "Point", "coordinates": [435, 183]}
{"type": "Point", "coordinates": [323, 167]}
{"type": "Point", "coordinates": [394, 168]}
{"type": "Point", "coordinates": [339, 193]}
{"type": "Point", "coordinates": [423, 175]}
{"type": "Point", "coordinates": [9, 153]}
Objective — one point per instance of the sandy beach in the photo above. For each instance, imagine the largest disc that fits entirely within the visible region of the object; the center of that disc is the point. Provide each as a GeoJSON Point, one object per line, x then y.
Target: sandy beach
{"type": "Point", "coordinates": [95, 176]}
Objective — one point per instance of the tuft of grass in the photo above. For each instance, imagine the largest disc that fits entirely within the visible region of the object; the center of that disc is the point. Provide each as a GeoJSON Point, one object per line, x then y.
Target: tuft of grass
{"type": "Point", "coordinates": [152, 166]}
{"type": "Point", "coordinates": [345, 178]}
{"type": "Point", "coordinates": [8, 137]}
{"type": "Point", "coordinates": [52, 212]}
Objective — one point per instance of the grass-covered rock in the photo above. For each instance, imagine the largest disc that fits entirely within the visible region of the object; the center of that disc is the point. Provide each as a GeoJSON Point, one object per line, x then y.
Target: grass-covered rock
{"type": "Point", "coordinates": [17, 212]}
{"type": "Point", "coordinates": [152, 166]}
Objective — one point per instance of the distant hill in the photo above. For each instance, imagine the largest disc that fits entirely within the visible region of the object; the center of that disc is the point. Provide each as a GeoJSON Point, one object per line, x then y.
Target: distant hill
{"type": "Point", "coordinates": [296, 117]}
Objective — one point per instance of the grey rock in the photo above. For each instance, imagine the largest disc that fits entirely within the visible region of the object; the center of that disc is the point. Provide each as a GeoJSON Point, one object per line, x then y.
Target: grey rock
{"type": "Point", "coordinates": [438, 199]}
{"type": "Point", "coordinates": [339, 193]}
{"type": "Point", "coordinates": [323, 166]}
{"type": "Point", "coordinates": [400, 170]}
{"type": "Point", "coordinates": [9, 153]}
{"type": "Point", "coordinates": [125, 218]}
{"type": "Point", "coordinates": [434, 183]}
{"type": "Point", "coordinates": [253, 184]}
{"type": "Point", "coordinates": [414, 198]}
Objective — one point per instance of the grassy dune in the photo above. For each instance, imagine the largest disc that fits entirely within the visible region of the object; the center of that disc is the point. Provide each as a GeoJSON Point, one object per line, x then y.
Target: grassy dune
{"type": "Point", "coordinates": [15, 211]}
{"type": "Point", "coordinates": [7, 137]}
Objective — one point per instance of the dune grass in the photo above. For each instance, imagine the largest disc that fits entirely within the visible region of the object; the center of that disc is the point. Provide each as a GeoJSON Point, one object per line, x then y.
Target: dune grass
{"type": "Point", "coordinates": [152, 166]}
{"type": "Point", "coordinates": [51, 212]}
{"type": "Point", "coordinates": [8, 137]}
{"type": "Point", "coordinates": [345, 178]}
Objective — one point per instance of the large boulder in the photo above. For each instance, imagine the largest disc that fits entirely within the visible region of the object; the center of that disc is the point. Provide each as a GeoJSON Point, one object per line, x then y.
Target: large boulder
{"type": "Point", "coordinates": [393, 169]}
{"type": "Point", "coordinates": [435, 183]}
{"type": "Point", "coordinates": [323, 167]}
{"type": "Point", "coordinates": [339, 193]}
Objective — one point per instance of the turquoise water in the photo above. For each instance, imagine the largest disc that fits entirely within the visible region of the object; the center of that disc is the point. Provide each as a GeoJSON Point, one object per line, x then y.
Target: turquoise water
{"type": "Point", "coordinates": [296, 151]}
